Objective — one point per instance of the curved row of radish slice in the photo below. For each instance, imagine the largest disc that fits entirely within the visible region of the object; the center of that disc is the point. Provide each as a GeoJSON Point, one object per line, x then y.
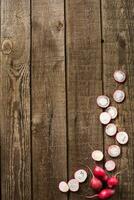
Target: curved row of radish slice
{"type": "Point", "coordinates": [80, 176]}
{"type": "Point", "coordinates": [106, 116]}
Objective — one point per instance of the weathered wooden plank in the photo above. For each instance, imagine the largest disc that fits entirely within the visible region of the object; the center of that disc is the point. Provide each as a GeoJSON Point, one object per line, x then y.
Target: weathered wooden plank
{"type": "Point", "coordinates": [84, 78]}
{"type": "Point", "coordinates": [48, 99]}
{"type": "Point", "coordinates": [118, 48]}
{"type": "Point", "coordinates": [15, 100]}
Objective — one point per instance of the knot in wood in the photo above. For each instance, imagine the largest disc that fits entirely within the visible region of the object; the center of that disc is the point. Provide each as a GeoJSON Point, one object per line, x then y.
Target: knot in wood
{"type": "Point", "coordinates": [59, 26]}
{"type": "Point", "coordinates": [7, 47]}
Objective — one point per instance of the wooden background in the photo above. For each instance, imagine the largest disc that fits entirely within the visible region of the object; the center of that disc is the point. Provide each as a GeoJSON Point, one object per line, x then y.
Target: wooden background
{"type": "Point", "coordinates": [56, 57]}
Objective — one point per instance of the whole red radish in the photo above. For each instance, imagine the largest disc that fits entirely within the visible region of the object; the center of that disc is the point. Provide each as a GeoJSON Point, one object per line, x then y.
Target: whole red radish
{"type": "Point", "coordinates": [99, 172]}
{"type": "Point", "coordinates": [95, 183]}
{"type": "Point", "coordinates": [104, 194]}
{"type": "Point", "coordinates": [112, 182]}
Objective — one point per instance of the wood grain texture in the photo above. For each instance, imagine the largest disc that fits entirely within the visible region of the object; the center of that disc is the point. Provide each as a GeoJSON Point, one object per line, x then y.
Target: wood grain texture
{"type": "Point", "coordinates": [48, 99]}
{"type": "Point", "coordinates": [118, 49]}
{"type": "Point", "coordinates": [49, 120]}
{"type": "Point", "coordinates": [84, 82]}
{"type": "Point", "coordinates": [15, 100]}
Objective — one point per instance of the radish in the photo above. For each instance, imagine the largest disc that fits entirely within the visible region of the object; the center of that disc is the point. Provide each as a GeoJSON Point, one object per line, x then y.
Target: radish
{"type": "Point", "coordinates": [104, 194]}
{"type": "Point", "coordinates": [99, 172]}
{"type": "Point", "coordinates": [112, 182]}
{"type": "Point", "coordinates": [95, 183]}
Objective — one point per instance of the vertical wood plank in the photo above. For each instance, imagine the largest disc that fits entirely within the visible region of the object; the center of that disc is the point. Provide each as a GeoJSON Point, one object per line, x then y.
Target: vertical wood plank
{"type": "Point", "coordinates": [48, 99]}
{"type": "Point", "coordinates": [84, 77]}
{"type": "Point", "coordinates": [118, 48]}
{"type": "Point", "coordinates": [15, 100]}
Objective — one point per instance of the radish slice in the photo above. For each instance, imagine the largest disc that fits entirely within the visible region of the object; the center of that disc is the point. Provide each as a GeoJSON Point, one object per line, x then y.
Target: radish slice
{"type": "Point", "coordinates": [105, 118]}
{"type": "Point", "coordinates": [63, 186]}
{"type": "Point", "coordinates": [73, 185]}
{"type": "Point", "coordinates": [103, 101]}
{"type": "Point", "coordinates": [119, 96]}
{"type": "Point", "coordinates": [80, 175]}
{"type": "Point", "coordinates": [122, 137]}
{"type": "Point", "coordinates": [111, 129]}
{"type": "Point", "coordinates": [119, 76]}
{"type": "Point", "coordinates": [114, 151]}
{"type": "Point", "coordinates": [97, 155]}
{"type": "Point", "coordinates": [110, 165]}
{"type": "Point", "coordinates": [112, 111]}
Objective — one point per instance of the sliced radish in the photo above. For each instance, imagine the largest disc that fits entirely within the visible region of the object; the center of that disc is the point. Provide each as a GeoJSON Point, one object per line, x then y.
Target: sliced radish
{"type": "Point", "coordinates": [114, 151]}
{"type": "Point", "coordinates": [80, 175]}
{"type": "Point", "coordinates": [112, 111]}
{"type": "Point", "coordinates": [122, 137]}
{"type": "Point", "coordinates": [111, 129]}
{"type": "Point", "coordinates": [105, 118]}
{"type": "Point", "coordinates": [110, 165]}
{"type": "Point", "coordinates": [103, 101]}
{"type": "Point", "coordinates": [63, 186]}
{"type": "Point", "coordinates": [119, 96]}
{"type": "Point", "coordinates": [73, 185]}
{"type": "Point", "coordinates": [97, 155]}
{"type": "Point", "coordinates": [119, 76]}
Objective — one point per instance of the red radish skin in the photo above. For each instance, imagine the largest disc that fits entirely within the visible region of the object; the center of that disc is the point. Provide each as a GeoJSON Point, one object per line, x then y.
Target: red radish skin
{"type": "Point", "coordinates": [105, 178]}
{"type": "Point", "coordinates": [99, 172]}
{"type": "Point", "coordinates": [113, 182]}
{"type": "Point", "coordinates": [95, 184]}
{"type": "Point", "coordinates": [104, 194]}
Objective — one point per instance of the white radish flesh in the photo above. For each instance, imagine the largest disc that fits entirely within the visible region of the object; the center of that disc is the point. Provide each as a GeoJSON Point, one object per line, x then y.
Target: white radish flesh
{"type": "Point", "coordinates": [97, 155]}
{"type": "Point", "coordinates": [119, 76]}
{"type": "Point", "coordinates": [112, 111]}
{"type": "Point", "coordinates": [119, 96]}
{"type": "Point", "coordinates": [114, 151]}
{"type": "Point", "coordinates": [111, 129]}
{"type": "Point", "coordinates": [80, 175]}
{"type": "Point", "coordinates": [110, 165]}
{"type": "Point", "coordinates": [105, 118]}
{"type": "Point", "coordinates": [63, 186]}
{"type": "Point", "coordinates": [122, 137]}
{"type": "Point", "coordinates": [73, 185]}
{"type": "Point", "coordinates": [103, 101]}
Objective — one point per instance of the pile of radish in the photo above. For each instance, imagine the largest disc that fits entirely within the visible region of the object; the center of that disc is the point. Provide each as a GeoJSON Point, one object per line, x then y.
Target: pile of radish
{"type": "Point", "coordinates": [102, 183]}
